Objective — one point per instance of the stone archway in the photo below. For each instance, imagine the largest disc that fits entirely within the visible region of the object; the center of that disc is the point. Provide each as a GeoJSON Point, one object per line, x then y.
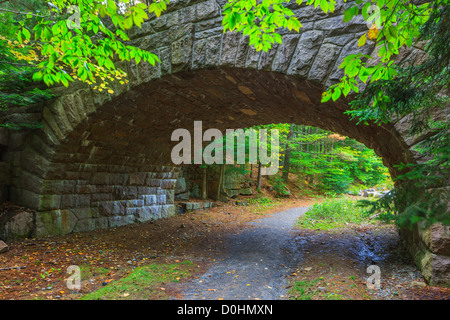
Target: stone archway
{"type": "Point", "coordinates": [113, 166]}
{"type": "Point", "coordinates": [103, 160]}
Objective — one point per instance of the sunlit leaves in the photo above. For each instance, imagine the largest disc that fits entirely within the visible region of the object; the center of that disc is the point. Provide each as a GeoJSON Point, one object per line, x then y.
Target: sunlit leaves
{"type": "Point", "coordinates": [259, 21]}
{"type": "Point", "coordinates": [85, 49]}
{"type": "Point", "coordinates": [392, 24]}
{"type": "Point", "coordinates": [362, 40]}
{"type": "Point", "coordinates": [158, 7]}
{"type": "Point", "coordinates": [350, 13]}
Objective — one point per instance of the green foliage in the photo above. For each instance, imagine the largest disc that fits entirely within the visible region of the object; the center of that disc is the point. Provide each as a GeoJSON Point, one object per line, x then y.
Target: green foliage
{"type": "Point", "coordinates": [395, 23]}
{"type": "Point", "coordinates": [398, 24]}
{"type": "Point", "coordinates": [279, 185]}
{"type": "Point", "coordinates": [59, 42]}
{"type": "Point", "coordinates": [16, 88]}
{"type": "Point", "coordinates": [80, 39]}
{"type": "Point", "coordinates": [259, 20]}
{"type": "Point", "coordinates": [334, 213]}
{"type": "Point", "coordinates": [419, 93]}
{"type": "Point", "coordinates": [143, 282]}
{"type": "Point", "coordinates": [333, 162]}
{"type": "Point", "coordinates": [16, 71]}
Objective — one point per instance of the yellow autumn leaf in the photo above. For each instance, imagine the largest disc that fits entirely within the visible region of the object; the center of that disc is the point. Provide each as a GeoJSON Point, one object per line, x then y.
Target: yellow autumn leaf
{"type": "Point", "coordinates": [373, 32]}
{"type": "Point", "coordinates": [362, 40]}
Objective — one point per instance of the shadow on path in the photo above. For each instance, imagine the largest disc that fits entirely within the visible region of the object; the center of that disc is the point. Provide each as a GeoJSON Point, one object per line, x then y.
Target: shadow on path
{"type": "Point", "coordinates": [253, 264]}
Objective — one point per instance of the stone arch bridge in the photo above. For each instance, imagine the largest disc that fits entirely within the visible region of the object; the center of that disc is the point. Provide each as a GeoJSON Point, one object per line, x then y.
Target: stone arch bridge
{"type": "Point", "coordinates": [103, 160]}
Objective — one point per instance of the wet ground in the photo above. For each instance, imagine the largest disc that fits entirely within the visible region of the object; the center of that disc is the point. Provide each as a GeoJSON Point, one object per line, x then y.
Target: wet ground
{"type": "Point", "coordinates": [252, 264]}
{"type": "Point", "coordinates": [269, 257]}
{"type": "Point", "coordinates": [241, 253]}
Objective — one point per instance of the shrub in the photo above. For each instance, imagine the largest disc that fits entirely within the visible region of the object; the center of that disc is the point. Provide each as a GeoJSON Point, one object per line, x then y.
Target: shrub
{"type": "Point", "coordinates": [334, 213]}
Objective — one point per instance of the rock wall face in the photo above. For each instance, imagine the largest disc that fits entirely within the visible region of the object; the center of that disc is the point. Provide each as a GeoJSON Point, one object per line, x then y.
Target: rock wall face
{"type": "Point", "coordinates": [102, 198]}
{"type": "Point", "coordinates": [430, 248]}
{"type": "Point", "coordinates": [103, 160]}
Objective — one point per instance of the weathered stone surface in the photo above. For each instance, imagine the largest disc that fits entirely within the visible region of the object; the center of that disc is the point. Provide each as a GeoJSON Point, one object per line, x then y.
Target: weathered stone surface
{"type": "Point", "coordinates": [230, 46]}
{"type": "Point", "coordinates": [180, 185]}
{"type": "Point", "coordinates": [118, 221]}
{"type": "Point", "coordinates": [207, 10]}
{"type": "Point", "coordinates": [253, 57]}
{"type": "Point", "coordinates": [56, 222]}
{"type": "Point", "coordinates": [324, 62]}
{"type": "Point", "coordinates": [181, 53]}
{"type": "Point", "coordinates": [437, 238]}
{"type": "Point", "coordinates": [212, 55]}
{"type": "Point", "coordinates": [246, 191]}
{"type": "Point", "coordinates": [335, 26]}
{"type": "Point", "coordinates": [233, 180]}
{"type": "Point", "coordinates": [307, 48]}
{"type": "Point", "coordinates": [435, 268]}
{"type": "Point", "coordinates": [284, 54]}
{"type": "Point", "coordinates": [20, 226]}
{"type": "Point", "coordinates": [3, 247]}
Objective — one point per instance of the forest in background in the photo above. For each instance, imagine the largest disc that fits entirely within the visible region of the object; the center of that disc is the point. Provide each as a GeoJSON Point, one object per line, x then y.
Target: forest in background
{"type": "Point", "coordinates": [316, 161]}
{"type": "Point", "coordinates": [328, 162]}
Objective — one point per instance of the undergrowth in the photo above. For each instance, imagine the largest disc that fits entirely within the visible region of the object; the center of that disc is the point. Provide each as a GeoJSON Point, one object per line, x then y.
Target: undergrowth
{"type": "Point", "coordinates": [334, 213]}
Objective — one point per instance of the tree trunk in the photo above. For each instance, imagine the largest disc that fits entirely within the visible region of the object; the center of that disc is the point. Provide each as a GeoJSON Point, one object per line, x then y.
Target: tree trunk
{"type": "Point", "coordinates": [258, 181]}
{"type": "Point", "coordinates": [204, 183]}
{"type": "Point", "coordinates": [287, 155]}
{"type": "Point", "coordinates": [219, 186]}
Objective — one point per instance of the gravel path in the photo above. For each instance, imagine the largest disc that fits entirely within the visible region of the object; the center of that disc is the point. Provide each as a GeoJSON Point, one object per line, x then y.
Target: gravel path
{"type": "Point", "coordinates": [253, 263]}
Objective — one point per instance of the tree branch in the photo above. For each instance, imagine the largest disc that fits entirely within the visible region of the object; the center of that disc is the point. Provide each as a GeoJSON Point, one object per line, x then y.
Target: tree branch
{"type": "Point", "coordinates": [18, 12]}
{"type": "Point", "coordinates": [18, 64]}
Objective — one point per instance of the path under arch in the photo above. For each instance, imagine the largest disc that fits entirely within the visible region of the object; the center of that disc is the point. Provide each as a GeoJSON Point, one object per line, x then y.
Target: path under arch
{"type": "Point", "coordinates": [267, 257]}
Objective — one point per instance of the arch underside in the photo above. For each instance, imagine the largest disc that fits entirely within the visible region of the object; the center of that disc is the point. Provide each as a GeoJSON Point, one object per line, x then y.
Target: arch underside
{"type": "Point", "coordinates": [135, 128]}
{"type": "Point", "coordinates": [114, 166]}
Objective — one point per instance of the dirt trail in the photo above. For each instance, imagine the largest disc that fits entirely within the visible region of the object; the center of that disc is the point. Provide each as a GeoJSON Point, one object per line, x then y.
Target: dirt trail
{"type": "Point", "coordinates": [253, 264]}
{"type": "Point", "coordinates": [240, 252]}
{"type": "Point", "coordinates": [270, 256]}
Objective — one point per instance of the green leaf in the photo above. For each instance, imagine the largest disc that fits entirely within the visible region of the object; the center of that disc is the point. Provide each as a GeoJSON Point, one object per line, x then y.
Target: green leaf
{"type": "Point", "coordinates": [336, 94]}
{"type": "Point", "coordinates": [326, 97]}
{"type": "Point", "coordinates": [350, 13]}
{"type": "Point", "coordinates": [324, 5]}
{"type": "Point", "coordinates": [363, 75]}
{"type": "Point", "coordinates": [277, 38]}
{"type": "Point", "coordinates": [128, 22]}
{"type": "Point", "coordinates": [346, 90]}
{"type": "Point", "coordinates": [56, 29]}
{"type": "Point", "coordinates": [26, 34]}
{"type": "Point", "coordinates": [37, 76]}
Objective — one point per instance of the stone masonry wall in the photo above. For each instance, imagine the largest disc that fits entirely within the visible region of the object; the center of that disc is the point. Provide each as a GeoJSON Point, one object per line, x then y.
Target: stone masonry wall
{"type": "Point", "coordinates": [101, 197]}
{"type": "Point", "coordinates": [430, 248]}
